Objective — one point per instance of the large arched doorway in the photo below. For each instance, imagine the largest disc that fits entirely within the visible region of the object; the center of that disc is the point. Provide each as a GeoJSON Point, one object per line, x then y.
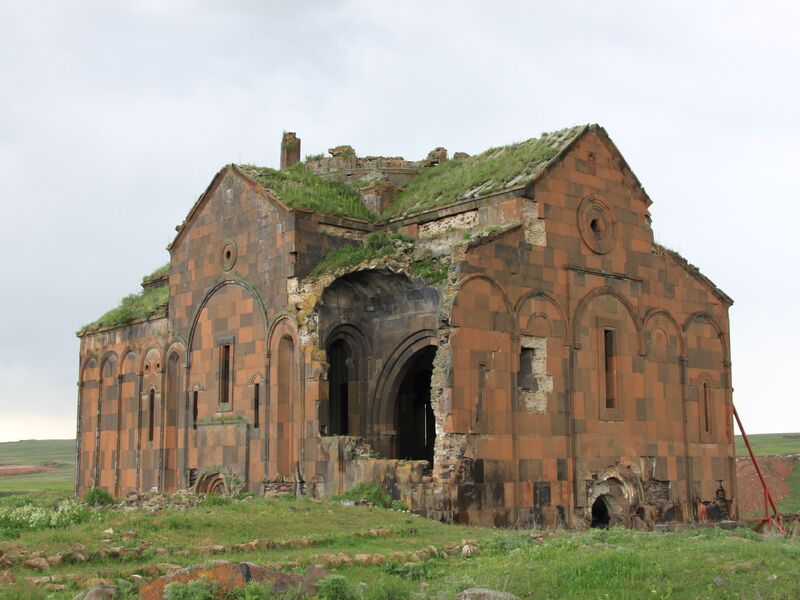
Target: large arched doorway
{"type": "Point", "coordinates": [415, 423]}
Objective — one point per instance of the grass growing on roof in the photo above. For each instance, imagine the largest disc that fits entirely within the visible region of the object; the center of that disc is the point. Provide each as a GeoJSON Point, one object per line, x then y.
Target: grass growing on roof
{"type": "Point", "coordinates": [376, 245]}
{"type": "Point", "coordinates": [491, 171]}
{"type": "Point", "coordinates": [157, 274]}
{"type": "Point", "coordinates": [131, 308]}
{"type": "Point", "coordinates": [430, 268]}
{"type": "Point", "coordinates": [300, 188]}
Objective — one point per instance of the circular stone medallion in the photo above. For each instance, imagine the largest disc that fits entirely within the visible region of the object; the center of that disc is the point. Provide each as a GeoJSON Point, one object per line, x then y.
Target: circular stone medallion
{"type": "Point", "coordinates": [597, 225]}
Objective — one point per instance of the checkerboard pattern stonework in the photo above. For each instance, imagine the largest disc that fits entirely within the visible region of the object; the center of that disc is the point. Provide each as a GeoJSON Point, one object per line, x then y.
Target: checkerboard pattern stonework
{"type": "Point", "coordinates": [555, 367]}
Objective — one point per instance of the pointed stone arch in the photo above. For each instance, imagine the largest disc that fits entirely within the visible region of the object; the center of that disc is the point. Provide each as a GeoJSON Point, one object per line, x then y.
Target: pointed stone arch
{"type": "Point", "coordinates": [596, 293]}
{"type": "Point", "coordinates": [561, 330]}
{"type": "Point", "coordinates": [656, 313]}
{"type": "Point", "coordinates": [246, 285]}
{"type": "Point", "coordinates": [347, 350]}
{"type": "Point", "coordinates": [704, 316]}
{"type": "Point", "coordinates": [471, 280]}
{"type": "Point", "coordinates": [287, 407]}
{"type": "Point", "coordinates": [383, 414]}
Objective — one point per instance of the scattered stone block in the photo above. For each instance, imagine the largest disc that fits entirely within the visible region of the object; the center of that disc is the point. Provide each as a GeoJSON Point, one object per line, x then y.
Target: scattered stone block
{"type": "Point", "coordinates": [40, 564]}
{"type": "Point", "coordinates": [485, 594]}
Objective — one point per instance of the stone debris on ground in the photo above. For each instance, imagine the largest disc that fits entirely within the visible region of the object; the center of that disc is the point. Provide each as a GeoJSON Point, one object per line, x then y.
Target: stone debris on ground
{"type": "Point", "coordinates": [228, 576]}
{"type": "Point", "coordinates": [101, 591]}
{"type": "Point", "coordinates": [485, 594]}
{"type": "Point", "coordinates": [153, 502]}
{"type": "Point", "coordinates": [155, 576]}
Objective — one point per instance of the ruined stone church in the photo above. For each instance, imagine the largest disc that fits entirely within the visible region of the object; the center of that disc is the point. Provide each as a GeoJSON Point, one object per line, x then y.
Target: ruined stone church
{"type": "Point", "coordinates": [494, 339]}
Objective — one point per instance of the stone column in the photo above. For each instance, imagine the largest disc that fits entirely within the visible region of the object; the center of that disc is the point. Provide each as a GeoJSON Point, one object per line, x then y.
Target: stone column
{"type": "Point", "coordinates": [78, 442]}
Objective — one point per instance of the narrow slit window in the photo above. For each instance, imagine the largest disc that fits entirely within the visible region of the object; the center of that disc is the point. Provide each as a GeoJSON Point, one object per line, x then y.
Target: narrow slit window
{"type": "Point", "coordinates": [225, 374]}
{"type": "Point", "coordinates": [194, 409]}
{"type": "Point", "coordinates": [706, 407]}
{"type": "Point", "coordinates": [152, 413]}
{"type": "Point", "coordinates": [609, 353]}
{"type": "Point", "coordinates": [481, 392]}
{"type": "Point", "coordinates": [256, 407]}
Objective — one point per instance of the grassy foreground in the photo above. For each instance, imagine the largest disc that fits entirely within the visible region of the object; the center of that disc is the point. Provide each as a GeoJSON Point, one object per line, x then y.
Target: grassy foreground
{"type": "Point", "coordinates": [597, 564]}
{"type": "Point", "coordinates": [616, 563]}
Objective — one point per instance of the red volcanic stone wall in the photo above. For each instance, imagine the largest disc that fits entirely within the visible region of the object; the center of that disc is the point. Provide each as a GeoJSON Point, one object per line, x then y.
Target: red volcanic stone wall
{"type": "Point", "coordinates": [664, 319]}
{"type": "Point", "coordinates": [535, 420]}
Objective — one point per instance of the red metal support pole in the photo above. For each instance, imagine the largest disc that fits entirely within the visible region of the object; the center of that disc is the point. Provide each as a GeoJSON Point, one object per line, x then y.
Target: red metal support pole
{"type": "Point", "coordinates": [773, 519]}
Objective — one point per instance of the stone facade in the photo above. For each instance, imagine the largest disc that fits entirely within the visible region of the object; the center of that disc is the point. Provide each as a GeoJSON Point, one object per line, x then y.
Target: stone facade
{"type": "Point", "coordinates": [525, 355]}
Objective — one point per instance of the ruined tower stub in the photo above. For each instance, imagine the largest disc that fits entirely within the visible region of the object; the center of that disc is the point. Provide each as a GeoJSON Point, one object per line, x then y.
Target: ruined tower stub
{"type": "Point", "coordinates": [290, 149]}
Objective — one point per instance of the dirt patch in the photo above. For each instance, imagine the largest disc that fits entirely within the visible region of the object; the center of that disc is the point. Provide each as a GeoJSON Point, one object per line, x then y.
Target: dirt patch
{"type": "Point", "coordinates": [775, 469]}
{"type": "Point", "coordinates": [10, 470]}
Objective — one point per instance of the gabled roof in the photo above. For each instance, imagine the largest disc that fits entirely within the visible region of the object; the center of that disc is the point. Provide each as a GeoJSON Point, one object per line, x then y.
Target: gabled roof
{"type": "Point", "coordinates": [197, 203]}
{"type": "Point", "coordinates": [513, 167]}
{"type": "Point", "coordinates": [290, 189]}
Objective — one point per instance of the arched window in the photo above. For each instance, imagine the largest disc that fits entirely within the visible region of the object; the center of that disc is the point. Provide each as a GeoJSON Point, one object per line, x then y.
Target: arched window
{"type": "Point", "coordinates": [610, 362]}
{"type": "Point", "coordinates": [194, 409]}
{"type": "Point", "coordinates": [151, 409]}
{"type": "Point", "coordinates": [256, 406]}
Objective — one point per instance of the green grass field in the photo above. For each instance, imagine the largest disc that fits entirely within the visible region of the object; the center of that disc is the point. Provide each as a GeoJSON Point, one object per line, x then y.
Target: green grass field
{"type": "Point", "coordinates": [59, 453]}
{"type": "Point", "coordinates": [770, 444]}
{"type": "Point", "coordinates": [617, 563]}
{"type": "Point", "coordinates": [599, 564]}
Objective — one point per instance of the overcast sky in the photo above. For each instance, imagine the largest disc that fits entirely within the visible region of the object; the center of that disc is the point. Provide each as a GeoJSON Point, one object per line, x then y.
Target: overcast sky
{"type": "Point", "coordinates": [114, 117]}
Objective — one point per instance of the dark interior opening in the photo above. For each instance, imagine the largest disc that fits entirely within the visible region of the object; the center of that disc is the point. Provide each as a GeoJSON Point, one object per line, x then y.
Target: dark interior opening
{"type": "Point", "coordinates": [600, 516]}
{"type": "Point", "coordinates": [597, 228]}
{"type": "Point", "coordinates": [225, 374]}
{"type": "Point", "coordinates": [151, 410]}
{"type": "Point", "coordinates": [339, 387]}
{"type": "Point", "coordinates": [415, 423]}
{"type": "Point", "coordinates": [609, 352]}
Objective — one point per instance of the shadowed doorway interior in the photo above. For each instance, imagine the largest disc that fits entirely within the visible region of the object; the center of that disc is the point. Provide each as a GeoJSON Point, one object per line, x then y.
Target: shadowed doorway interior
{"type": "Point", "coordinates": [415, 423]}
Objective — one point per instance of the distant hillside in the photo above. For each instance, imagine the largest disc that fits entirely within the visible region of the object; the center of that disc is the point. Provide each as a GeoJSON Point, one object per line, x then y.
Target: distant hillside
{"type": "Point", "coordinates": [58, 456]}
{"type": "Point", "coordinates": [770, 444]}
{"type": "Point", "coordinates": [34, 452]}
